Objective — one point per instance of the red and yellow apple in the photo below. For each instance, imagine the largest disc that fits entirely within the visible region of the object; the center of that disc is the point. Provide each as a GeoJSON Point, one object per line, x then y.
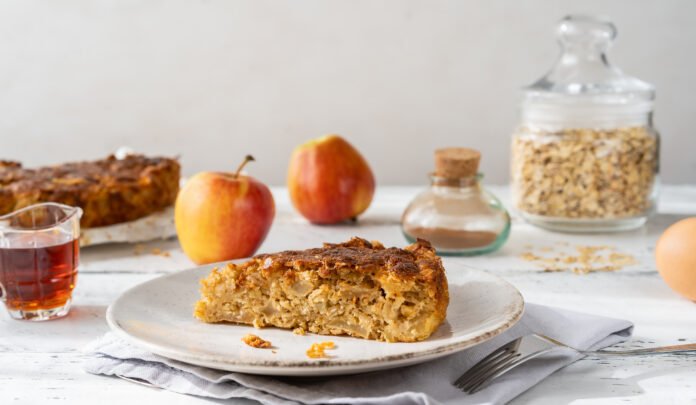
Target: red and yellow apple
{"type": "Point", "coordinates": [222, 216]}
{"type": "Point", "coordinates": [329, 181]}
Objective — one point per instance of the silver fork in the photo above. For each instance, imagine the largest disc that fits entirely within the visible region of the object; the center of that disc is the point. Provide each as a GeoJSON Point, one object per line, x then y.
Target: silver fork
{"type": "Point", "coordinates": [521, 350]}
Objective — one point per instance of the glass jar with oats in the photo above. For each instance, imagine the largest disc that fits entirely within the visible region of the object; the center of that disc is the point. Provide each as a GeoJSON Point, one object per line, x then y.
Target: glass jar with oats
{"type": "Point", "coordinates": [585, 155]}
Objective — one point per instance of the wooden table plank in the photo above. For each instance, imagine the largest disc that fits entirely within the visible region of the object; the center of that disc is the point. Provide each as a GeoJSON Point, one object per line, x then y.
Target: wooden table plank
{"type": "Point", "coordinates": [39, 362]}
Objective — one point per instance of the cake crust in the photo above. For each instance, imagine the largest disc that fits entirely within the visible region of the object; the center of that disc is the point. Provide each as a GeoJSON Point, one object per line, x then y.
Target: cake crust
{"type": "Point", "coordinates": [357, 288]}
{"type": "Point", "coordinates": [109, 191]}
{"type": "Point", "coordinates": [358, 253]}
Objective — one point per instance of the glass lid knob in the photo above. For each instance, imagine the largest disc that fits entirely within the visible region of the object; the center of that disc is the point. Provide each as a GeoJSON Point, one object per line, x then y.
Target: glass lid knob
{"type": "Point", "coordinates": [583, 69]}
{"type": "Point", "coordinates": [589, 35]}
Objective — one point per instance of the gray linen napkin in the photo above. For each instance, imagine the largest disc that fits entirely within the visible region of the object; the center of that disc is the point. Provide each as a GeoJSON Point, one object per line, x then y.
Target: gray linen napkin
{"type": "Point", "coordinates": [427, 383]}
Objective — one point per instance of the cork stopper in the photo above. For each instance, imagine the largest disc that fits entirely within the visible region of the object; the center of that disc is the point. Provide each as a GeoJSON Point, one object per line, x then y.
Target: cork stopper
{"type": "Point", "coordinates": [456, 162]}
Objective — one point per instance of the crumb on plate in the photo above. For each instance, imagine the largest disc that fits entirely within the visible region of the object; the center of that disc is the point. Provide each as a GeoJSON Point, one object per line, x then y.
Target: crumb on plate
{"type": "Point", "coordinates": [255, 341]}
{"type": "Point", "coordinates": [317, 350]}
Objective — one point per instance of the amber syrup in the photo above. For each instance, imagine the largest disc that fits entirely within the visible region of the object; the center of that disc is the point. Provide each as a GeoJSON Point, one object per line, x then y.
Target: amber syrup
{"type": "Point", "coordinates": [36, 278]}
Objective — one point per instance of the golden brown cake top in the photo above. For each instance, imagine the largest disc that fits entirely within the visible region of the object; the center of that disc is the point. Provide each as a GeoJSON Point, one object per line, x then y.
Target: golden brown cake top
{"type": "Point", "coordinates": [81, 175]}
{"type": "Point", "coordinates": [109, 191]}
{"type": "Point", "coordinates": [359, 254]}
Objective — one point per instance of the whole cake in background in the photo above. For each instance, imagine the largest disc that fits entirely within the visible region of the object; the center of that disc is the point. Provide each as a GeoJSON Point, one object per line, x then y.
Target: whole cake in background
{"type": "Point", "coordinates": [109, 191]}
{"type": "Point", "coordinates": [357, 288]}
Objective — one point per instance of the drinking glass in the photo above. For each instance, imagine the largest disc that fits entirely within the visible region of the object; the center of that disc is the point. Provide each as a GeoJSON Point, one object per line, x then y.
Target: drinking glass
{"type": "Point", "coordinates": [39, 257]}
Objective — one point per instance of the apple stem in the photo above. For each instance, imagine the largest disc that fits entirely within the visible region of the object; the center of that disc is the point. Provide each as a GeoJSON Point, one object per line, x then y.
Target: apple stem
{"type": "Point", "coordinates": [247, 159]}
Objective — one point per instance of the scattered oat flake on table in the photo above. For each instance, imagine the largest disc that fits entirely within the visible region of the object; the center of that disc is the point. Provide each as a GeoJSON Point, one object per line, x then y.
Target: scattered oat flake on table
{"type": "Point", "coordinates": [529, 256]}
{"type": "Point", "coordinates": [316, 351]}
{"type": "Point", "coordinates": [255, 341]}
{"type": "Point", "coordinates": [585, 259]}
{"type": "Point", "coordinates": [160, 252]}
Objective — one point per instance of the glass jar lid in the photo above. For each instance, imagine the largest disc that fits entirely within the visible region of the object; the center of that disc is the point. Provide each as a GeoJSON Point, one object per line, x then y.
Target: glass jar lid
{"type": "Point", "coordinates": [583, 85]}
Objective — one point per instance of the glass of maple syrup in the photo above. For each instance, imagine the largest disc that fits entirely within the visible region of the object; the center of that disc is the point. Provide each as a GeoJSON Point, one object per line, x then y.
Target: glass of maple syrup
{"type": "Point", "coordinates": [39, 257]}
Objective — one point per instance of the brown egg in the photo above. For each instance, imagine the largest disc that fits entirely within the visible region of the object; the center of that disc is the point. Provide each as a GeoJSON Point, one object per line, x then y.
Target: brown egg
{"type": "Point", "coordinates": [675, 254]}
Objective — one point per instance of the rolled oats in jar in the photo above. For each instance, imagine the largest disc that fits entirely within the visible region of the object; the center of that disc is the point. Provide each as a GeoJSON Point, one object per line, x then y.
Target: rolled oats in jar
{"type": "Point", "coordinates": [585, 155]}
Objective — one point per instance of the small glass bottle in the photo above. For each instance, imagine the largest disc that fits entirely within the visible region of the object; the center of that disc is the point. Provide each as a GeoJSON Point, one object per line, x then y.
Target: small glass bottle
{"type": "Point", "coordinates": [585, 155]}
{"type": "Point", "coordinates": [456, 215]}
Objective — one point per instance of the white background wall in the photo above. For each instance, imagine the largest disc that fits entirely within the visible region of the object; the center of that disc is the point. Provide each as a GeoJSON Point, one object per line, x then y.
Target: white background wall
{"type": "Point", "coordinates": [212, 80]}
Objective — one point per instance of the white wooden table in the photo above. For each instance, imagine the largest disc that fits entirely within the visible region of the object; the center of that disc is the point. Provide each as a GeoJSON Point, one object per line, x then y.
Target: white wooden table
{"type": "Point", "coordinates": [40, 362]}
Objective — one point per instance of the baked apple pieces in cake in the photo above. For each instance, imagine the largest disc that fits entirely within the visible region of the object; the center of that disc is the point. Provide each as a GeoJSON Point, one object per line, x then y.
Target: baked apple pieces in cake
{"type": "Point", "coordinates": [357, 288]}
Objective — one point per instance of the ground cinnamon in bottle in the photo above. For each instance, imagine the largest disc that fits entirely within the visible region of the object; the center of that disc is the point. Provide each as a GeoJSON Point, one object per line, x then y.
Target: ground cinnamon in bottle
{"type": "Point", "coordinates": [456, 215]}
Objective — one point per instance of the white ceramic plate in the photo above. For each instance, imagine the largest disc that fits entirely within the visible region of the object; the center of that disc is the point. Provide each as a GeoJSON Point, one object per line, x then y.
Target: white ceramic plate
{"type": "Point", "coordinates": [157, 316]}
